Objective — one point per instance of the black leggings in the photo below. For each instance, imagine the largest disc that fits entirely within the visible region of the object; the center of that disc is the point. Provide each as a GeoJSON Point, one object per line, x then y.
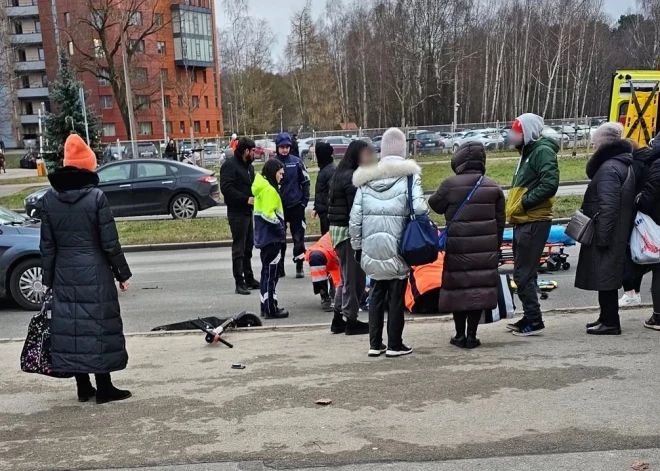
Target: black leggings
{"type": "Point", "coordinates": [472, 318]}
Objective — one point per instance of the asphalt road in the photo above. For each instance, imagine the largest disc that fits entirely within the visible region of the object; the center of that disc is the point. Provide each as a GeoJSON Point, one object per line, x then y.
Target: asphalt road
{"type": "Point", "coordinates": [175, 286]}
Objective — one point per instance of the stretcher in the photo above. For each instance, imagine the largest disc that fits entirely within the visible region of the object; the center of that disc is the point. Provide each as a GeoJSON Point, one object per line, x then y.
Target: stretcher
{"type": "Point", "coordinates": [553, 257]}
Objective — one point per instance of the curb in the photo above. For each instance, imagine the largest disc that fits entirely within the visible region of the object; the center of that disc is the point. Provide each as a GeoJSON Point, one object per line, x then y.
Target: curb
{"type": "Point", "coordinates": [435, 319]}
{"type": "Point", "coordinates": [227, 243]}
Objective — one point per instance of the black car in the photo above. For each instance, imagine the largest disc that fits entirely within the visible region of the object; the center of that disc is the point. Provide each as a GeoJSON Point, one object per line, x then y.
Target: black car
{"type": "Point", "coordinates": [150, 187]}
{"type": "Point", "coordinates": [425, 142]}
{"type": "Point", "coordinates": [146, 150]}
{"type": "Point", "coordinates": [29, 160]}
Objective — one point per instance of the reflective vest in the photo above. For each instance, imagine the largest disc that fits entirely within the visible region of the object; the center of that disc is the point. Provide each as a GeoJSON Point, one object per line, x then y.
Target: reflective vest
{"type": "Point", "coordinates": [324, 245]}
{"type": "Point", "coordinates": [423, 279]}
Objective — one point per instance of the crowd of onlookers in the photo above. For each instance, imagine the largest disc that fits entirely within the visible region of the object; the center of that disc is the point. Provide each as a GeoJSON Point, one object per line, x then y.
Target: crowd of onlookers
{"type": "Point", "coordinates": [364, 205]}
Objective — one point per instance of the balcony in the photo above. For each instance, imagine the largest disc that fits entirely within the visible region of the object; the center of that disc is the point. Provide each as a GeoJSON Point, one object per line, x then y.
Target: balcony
{"type": "Point", "coordinates": [29, 66]}
{"type": "Point", "coordinates": [36, 92]}
{"type": "Point", "coordinates": [23, 11]}
{"type": "Point", "coordinates": [31, 38]}
{"type": "Point", "coordinates": [29, 119]}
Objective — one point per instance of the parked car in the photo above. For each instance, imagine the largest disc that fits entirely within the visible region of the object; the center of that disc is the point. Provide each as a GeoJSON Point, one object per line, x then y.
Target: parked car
{"type": "Point", "coordinates": [376, 141]}
{"type": "Point", "coordinates": [339, 144]}
{"type": "Point", "coordinates": [213, 155]}
{"type": "Point", "coordinates": [556, 135]}
{"type": "Point", "coordinates": [20, 260]}
{"type": "Point", "coordinates": [452, 139]}
{"type": "Point", "coordinates": [29, 160]}
{"type": "Point", "coordinates": [150, 188]}
{"type": "Point", "coordinates": [487, 141]}
{"type": "Point", "coordinates": [306, 147]}
{"type": "Point", "coordinates": [146, 150]}
{"type": "Point", "coordinates": [426, 142]}
{"type": "Point", "coordinates": [267, 144]}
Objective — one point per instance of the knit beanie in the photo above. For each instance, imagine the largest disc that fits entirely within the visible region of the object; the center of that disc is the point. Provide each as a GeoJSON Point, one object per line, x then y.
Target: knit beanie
{"type": "Point", "coordinates": [324, 153]}
{"type": "Point", "coordinates": [607, 132]}
{"type": "Point", "coordinates": [393, 143]}
{"type": "Point", "coordinates": [78, 154]}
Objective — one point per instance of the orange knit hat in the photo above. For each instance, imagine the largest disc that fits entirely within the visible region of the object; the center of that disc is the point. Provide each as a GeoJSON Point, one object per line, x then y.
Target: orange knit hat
{"type": "Point", "coordinates": [78, 154]}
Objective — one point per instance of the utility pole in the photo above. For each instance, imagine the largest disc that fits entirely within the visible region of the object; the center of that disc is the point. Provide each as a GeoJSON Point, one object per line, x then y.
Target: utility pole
{"type": "Point", "coordinates": [456, 105]}
{"type": "Point", "coordinates": [162, 105]}
{"type": "Point", "coordinates": [231, 118]}
{"type": "Point", "coordinates": [129, 92]}
{"type": "Point", "coordinates": [56, 28]}
{"type": "Point", "coordinates": [281, 121]}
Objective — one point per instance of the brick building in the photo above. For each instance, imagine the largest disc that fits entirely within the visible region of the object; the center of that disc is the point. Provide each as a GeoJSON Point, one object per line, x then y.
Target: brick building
{"type": "Point", "coordinates": [172, 40]}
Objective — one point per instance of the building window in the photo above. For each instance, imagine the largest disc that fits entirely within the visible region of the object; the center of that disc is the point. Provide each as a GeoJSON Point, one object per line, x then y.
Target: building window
{"type": "Point", "coordinates": [180, 101]}
{"type": "Point", "coordinates": [98, 19]}
{"type": "Point", "coordinates": [168, 127]}
{"type": "Point", "coordinates": [198, 126]}
{"type": "Point", "coordinates": [42, 54]}
{"type": "Point", "coordinates": [206, 100]}
{"type": "Point", "coordinates": [145, 128]}
{"type": "Point", "coordinates": [67, 20]}
{"type": "Point", "coordinates": [103, 77]}
{"type": "Point", "coordinates": [98, 48]}
{"type": "Point", "coordinates": [138, 45]}
{"type": "Point", "coordinates": [106, 102]}
{"type": "Point", "coordinates": [182, 127]}
{"type": "Point", "coordinates": [217, 125]}
{"type": "Point", "coordinates": [193, 75]}
{"type": "Point", "coordinates": [37, 26]}
{"type": "Point", "coordinates": [208, 126]}
{"type": "Point", "coordinates": [109, 130]}
{"type": "Point", "coordinates": [70, 47]}
{"type": "Point", "coordinates": [160, 47]}
{"type": "Point", "coordinates": [216, 101]}
{"type": "Point", "coordinates": [141, 74]}
{"type": "Point", "coordinates": [143, 101]}
{"type": "Point", "coordinates": [158, 20]}
{"type": "Point", "coordinates": [195, 102]}
{"type": "Point", "coordinates": [135, 18]}
{"type": "Point", "coordinates": [204, 76]}
{"type": "Point", "coordinates": [164, 75]}
{"type": "Point", "coordinates": [167, 100]}
{"type": "Point", "coordinates": [44, 80]}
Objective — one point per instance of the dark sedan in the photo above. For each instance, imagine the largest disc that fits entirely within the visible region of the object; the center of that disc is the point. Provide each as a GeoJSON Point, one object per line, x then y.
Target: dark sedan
{"type": "Point", "coordinates": [20, 260]}
{"type": "Point", "coordinates": [151, 187]}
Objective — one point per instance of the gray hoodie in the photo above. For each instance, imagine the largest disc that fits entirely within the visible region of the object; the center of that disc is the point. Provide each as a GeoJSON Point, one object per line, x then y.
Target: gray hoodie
{"type": "Point", "coordinates": [532, 125]}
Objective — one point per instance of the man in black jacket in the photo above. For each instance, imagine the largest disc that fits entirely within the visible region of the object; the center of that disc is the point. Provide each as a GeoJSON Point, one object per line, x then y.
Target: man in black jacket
{"type": "Point", "coordinates": [325, 160]}
{"type": "Point", "coordinates": [236, 177]}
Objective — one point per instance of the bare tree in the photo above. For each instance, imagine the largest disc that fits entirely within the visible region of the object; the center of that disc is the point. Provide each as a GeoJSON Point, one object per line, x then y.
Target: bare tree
{"type": "Point", "coordinates": [190, 93]}
{"type": "Point", "coordinates": [8, 81]}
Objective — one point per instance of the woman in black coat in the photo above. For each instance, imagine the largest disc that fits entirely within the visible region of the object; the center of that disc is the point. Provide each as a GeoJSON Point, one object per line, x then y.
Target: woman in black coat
{"type": "Point", "coordinates": [609, 200]}
{"type": "Point", "coordinates": [325, 160]}
{"type": "Point", "coordinates": [82, 258]}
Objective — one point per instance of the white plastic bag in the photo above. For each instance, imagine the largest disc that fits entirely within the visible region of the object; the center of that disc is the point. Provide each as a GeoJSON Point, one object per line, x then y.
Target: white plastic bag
{"type": "Point", "coordinates": [645, 241]}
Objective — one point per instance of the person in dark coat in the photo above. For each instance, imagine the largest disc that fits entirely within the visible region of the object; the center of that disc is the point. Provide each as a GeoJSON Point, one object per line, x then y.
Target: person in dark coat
{"type": "Point", "coordinates": [82, 258]}
{"type": "Point", "coordinates": [325, 160]}
{"type": "Point", "coordinates": [643, 159]}
{"type": "Point", "coordinates": [609, 201]}
{"type": "Point", "coordinates": [353, 279]}
{"type": "Point", "coordinates": [170, 150]}
{"type": "Point", "coordinates": [236, 178]}
{"type": "Point", "coordinates": [470, 278]}
{"type": "Point", "coordinates": [648, 202]}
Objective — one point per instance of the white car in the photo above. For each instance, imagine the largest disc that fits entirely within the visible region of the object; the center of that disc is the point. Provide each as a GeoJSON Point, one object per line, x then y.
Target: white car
{"type": "Point", "coordinates": [474, 136]}
{"type": "Point", "coordinates": [556, 135]}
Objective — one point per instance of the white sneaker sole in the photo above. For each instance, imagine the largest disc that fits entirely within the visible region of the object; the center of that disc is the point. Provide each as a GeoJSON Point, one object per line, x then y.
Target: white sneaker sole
{"type": "Point", "coordinates": [652, 327]}
{"type": "Point", "coordinates": [631, 303]}
{"type": "Point", "coordinates": [394, 354]}
{"type": "Point", "coordinates": [528, 334]}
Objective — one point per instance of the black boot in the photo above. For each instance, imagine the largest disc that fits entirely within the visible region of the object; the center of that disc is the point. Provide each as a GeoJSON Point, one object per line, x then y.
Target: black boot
{"type": "Point", "coordinates": [326, 303]}
{"type": "Point", "coordinates": [107, 392]}
{"type": "Point", "coordinates": [280, 271]}
{"type": "Point", "coordinates": [253, 284]}
{"type": "Point", "coordinates": [241, 288]}
{"type": "Point", "coordinates": [338, 323]}
{"type": "Point", "coordinates": [85, 389]}
{"type": "Point", "coordinates": [356, 327]}
{"type": "Point", "coordinates": [300, 273]}
{"type": "Point", "coordinates": [459, 324]}
{"type": "Point", "coordinates": [279, 314]}
{"type": "Point", "coordinates": [472, 325]}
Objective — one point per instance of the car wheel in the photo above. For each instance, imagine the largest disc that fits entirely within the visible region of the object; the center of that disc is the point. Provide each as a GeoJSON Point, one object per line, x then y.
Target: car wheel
{"type": "Point", "coordinates": [25, 284]}
{"type": "Point", "coordinates": [455, 147]}
{"type": "Point", "coordinates": [183, 206]}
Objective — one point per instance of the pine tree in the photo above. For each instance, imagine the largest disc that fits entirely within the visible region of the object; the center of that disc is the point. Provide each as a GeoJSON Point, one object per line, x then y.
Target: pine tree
{"type": "Point", "coordinates": [65, 100]}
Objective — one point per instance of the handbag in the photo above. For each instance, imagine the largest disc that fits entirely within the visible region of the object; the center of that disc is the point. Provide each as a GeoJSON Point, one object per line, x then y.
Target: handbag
{"type": "Point", "coordinates": [442, 241]}
{"type": "Point", "coordinates": [419, 244]}
{"type": "Point", "coordinates": [581, 228]}
{"type": "Point", "coordinates": [505, 305]}
{"type": "Point", "coordinates": [36, 353]}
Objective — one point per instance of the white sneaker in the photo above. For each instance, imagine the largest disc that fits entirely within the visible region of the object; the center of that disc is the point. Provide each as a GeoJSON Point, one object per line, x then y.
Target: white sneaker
{"type": "Point", "coordinates": [630, 300]}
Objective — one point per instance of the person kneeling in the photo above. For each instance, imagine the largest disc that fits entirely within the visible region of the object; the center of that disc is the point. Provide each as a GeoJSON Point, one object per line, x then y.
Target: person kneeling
{"type": "Point", "coordinates": [324, 269]}
{"type": "Point", "coordinates": [269, 234]}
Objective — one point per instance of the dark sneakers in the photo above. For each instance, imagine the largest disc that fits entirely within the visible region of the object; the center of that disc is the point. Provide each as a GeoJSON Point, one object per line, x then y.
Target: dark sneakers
{"type": "Point", "coordinates": [653, 323]}
{"type": "Point", "coordinates": [357, 328]}
{"type": "Point", "coordinates": [326, 303]}
{"type": "Point", "coordinates": [280, 314]}
{"type": "Point", "coordinates": [602, 329]}
{"type": "Point", "coordinates": [515, 327]}
{"type": "Point", "coordinates": [253, 284]}
{"type": "Point", "coordinates": [458, 341]}
{"type": "Point", "coordinates": [300, 273]}
{"type": "Point", "coordinates": [376, 352]}
{"type": "Point", "coordinates": [242, 289]}
{"type": "Point", "coordinates": [472, 342]}
{"type": "Point", "coordinates": [528, 329]}
{"type": "Point", "coordinates": [338, 323]}
{"type": "Point", "coordinates": [399, 352]}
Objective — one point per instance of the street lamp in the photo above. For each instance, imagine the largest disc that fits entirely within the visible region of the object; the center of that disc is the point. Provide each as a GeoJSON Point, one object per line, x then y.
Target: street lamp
{"type": "Point", "coordinates": [281, 122]}
{"type": "Point", "coordinates": [231, 117]}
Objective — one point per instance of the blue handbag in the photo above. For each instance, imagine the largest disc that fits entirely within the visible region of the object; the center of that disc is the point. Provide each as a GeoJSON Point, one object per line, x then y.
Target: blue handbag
{"type": "Point", "coordinates": [419, 244]}
{"type": "Point", "coordinates": [442, 240]}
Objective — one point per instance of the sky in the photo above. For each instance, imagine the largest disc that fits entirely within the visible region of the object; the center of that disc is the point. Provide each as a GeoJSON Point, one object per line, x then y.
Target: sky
{"type": "Point", "coordinates": [277, 13]}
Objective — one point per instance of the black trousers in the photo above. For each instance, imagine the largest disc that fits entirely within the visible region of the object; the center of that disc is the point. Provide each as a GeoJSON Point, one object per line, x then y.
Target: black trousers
{"type": "Point", "coordinates": [103, 381]}
{"type": "Point", "coordinates": [390, 294]}
{"type": "Point", "coordinates": [609, 308]}
{"type": "Point", "coordinates": [294, 217]}
{"type": "Point", "coordinates": [325, 224]}
{"type": "Point", "coordinates": [270, 257]}
{"type": "Point", "coordinates": [528, 243]}
{"type": "Point", "coordinates": [242, 233]}
{"type": "Point", "coordinates": [472, 318]}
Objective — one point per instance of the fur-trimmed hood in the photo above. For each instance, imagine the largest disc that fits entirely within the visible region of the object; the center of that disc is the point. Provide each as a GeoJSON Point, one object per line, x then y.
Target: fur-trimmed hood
{"type": "Point", "coordinates": [621, 150]}
{"type": "Point", "coordinates": [389, 170]}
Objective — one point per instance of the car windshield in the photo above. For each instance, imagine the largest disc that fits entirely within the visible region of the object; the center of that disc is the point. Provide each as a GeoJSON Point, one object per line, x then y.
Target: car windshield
{"type": "Point", "coordinates": [426, 135]}
{"type": "Point", "coordinates": [10, 217]}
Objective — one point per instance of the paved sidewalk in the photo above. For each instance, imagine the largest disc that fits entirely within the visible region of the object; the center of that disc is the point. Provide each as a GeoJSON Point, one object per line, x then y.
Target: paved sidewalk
{"type": "Point", "coordinates": [560, 393]}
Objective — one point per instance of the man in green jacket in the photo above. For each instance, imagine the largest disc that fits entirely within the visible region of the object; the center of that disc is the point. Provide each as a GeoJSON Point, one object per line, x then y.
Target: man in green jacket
{"type": "Point", "coordinates": [529, 209]}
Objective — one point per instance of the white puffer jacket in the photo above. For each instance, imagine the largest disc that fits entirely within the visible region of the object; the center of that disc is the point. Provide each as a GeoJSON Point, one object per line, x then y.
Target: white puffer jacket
{"type": "Point", "coordinates": [380, 214]}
